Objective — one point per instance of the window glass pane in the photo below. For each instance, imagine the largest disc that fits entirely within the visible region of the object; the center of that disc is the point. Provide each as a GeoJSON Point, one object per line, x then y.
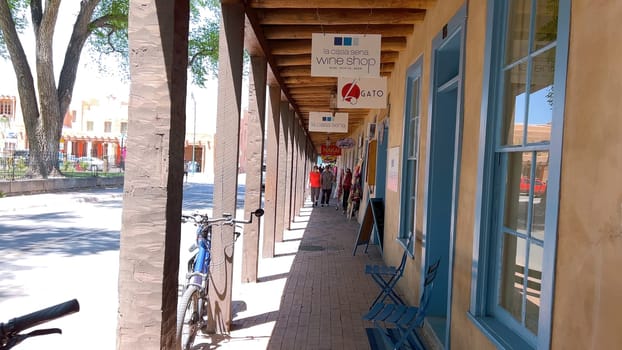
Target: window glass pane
{"type": "Point", "coordinates": [517, 191]}
{"type": "Point", "coordinates": [540, 113]}
{"type": "Point", "coordinates": [539, 192]}
{"type": "Point", "coordinates": [514, 105]}
{"type": "Point", "coordinates": [411, 139]}
{"type": "Point", "coordinates": [546, 23]}
{"type": "Point", "coordinates": [414, 120]}
{"type": "Point", "coordinates": [512, 274]}
{"type": "Point", "coordinates": [534, 282]}
{"type": "Point", "coordinates": [517, 35]}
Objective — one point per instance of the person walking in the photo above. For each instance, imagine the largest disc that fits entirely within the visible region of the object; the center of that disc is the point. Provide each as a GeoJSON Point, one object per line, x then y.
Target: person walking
{"type": "Point", "coordinates": [315, 183]}
{"type": "Point", "coordinates": [327, 184]}
{"type": "Point", "coordinates": [346, 184]}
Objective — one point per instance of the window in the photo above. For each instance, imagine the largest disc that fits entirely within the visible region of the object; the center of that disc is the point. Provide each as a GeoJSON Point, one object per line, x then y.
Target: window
{"type": "Point", "coordinates": [124, 128]}
{"type": "Point", "coordinates": [411, 152]}
{"type": "Point", "coordinates": [6, 107]}
{"type": "Point", "coordinates": [517, 228]}
{"type": "Point", "coordinates": [89, 126]}
{"type": "Point", "coordinates": [107, 126]}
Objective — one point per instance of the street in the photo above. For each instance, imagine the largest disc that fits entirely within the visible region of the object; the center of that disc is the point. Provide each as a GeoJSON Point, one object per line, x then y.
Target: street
{"type": "Point", "coordinates": [60, 246]}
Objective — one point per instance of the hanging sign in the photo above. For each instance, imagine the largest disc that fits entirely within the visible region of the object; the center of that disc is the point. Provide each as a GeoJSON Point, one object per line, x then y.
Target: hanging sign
{"type": "Point", "coordinates": [327, 122]}
{"type": "Point", "coordinates": [345, 143]}
{"type": "Point", "coordinates": [362, 92]}
{"type": "Point", "coordinates": [329, 150]}
{"type": "Point", "coordinates": [329, 159]}
{"type": "Point", "coordinates": [345, 55]}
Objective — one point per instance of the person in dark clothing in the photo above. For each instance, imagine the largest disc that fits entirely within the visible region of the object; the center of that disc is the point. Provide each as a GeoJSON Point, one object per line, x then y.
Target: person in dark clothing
{"type": "Point", "coordinates": [346, 184]}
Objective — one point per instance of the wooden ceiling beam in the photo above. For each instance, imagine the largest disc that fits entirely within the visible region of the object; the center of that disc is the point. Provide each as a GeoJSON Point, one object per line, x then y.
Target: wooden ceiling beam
{"type": "Point", "coordinates": [302, 47]}
{"type": "Point", "coordinates": [340, 16]}
{"type": "Point", "coordinates": [304, 31]}
{"type": "Point", "coordinates": [325, 89]}
{"type": "Point", "coordinates": [305, 59]}
{"type": "Point", "coordinates": [309, 80]}
{"type": "Point", "coordinates": [352, 4]}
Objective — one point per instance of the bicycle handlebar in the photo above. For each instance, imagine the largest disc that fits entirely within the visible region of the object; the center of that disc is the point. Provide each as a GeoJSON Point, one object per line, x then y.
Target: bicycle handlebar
{"type": "Point", "coordinates": [33, 319]}
{"type": "Point", "coordinates": [226, 219]}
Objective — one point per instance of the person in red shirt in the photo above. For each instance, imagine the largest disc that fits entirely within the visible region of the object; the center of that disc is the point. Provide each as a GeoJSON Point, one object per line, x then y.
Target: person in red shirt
{"type": "Point", "coordinates": [315, 183]}
{"type": "Point", "coordinates": [346, 185]}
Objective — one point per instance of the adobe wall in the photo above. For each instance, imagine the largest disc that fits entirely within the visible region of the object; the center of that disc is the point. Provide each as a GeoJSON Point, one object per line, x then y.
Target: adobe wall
{"type": "Point", "coordinates": [587, 302]}
{"type": "Point", "coordinates": [21, 187]}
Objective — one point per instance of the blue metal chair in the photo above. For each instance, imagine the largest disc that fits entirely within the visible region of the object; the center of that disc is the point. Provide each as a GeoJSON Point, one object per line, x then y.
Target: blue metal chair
{"type": "Point", "coordinates": [387, 277]}
{"type": "Point", "coordinates": [404, 319]}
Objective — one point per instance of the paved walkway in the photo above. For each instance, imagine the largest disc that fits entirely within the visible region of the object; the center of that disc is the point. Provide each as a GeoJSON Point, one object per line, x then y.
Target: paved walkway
{"type": "Point", "coordinates": [311, 295]}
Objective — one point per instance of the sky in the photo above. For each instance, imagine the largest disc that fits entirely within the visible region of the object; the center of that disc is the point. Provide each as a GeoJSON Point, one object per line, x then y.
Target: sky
{"type": "Point", "coordinates": [88, 73]}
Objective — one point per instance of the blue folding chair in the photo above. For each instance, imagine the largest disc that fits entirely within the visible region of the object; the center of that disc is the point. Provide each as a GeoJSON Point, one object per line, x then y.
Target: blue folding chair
{"type": "Point", "coordinates": [404, 319]}
{"type": "Point", "coordinates": [387, 277]}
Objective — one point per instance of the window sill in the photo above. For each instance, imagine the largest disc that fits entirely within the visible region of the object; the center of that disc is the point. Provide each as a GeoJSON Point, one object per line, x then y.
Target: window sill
{"type": "Point", "coordinates": [501, 336]}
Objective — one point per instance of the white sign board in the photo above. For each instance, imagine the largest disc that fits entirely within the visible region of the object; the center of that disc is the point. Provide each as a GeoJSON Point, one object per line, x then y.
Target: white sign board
{"type": "Point", "coordinates": [345, 55]}
{"type": "Point", "coordinates": [362, 92]}
{"type": "Point", "coordinates": [393, 167]}
{"type": "Point", "coordinates": [327, 122]}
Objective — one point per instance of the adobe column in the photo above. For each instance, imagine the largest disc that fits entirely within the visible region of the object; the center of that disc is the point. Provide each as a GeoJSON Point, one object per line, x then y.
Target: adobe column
{"type": "Point", "coordinates": [226, 150]}
{"type": "Point", "coordinates": [152, 193]}
{"type": "Point", "coordinates": [272, 173]}
{"type": "Point", "coordinates": [283, 149]}
{"type": "Point", "coordinates": [291, 115]}
{"type": "Point", "coordinates": [254, 160]}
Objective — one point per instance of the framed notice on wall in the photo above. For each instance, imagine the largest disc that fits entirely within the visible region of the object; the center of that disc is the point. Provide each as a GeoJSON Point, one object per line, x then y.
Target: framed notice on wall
{"type": "Point", "coordinates": [392, 168]}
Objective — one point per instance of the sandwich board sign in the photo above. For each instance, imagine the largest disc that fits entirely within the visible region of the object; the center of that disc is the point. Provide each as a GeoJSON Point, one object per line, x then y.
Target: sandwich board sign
{"type": "Point", "coordinates": [345, 55]}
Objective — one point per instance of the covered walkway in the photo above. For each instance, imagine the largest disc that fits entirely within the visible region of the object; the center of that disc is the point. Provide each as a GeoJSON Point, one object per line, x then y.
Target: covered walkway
{"type": "Point", "coordinates": [311, 295]}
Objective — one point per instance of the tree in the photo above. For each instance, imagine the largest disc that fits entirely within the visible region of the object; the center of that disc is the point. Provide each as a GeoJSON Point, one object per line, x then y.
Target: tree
{"type": "Point", "coordinates": [102, 24]}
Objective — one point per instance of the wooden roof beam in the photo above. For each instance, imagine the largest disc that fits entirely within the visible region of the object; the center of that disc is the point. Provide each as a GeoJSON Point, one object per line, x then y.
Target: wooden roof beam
{"type": "Point", "coordinates": [300, 47]}
{"type": "Point", "coordinates": [340, 16]}
{"type": "Point", "coordinates": [305, 59]}
{"type": "Point", "coordinates": [304, 31]}
{"type": "Point", "coordinates": [353, 4]}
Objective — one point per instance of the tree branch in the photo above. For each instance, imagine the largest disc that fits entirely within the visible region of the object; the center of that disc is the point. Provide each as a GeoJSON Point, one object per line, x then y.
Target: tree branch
{"type": "Point", "coordinates": [79, 35]}
{"type": "Point", "coordinates": [25, 82]}
{"type": "Point", "coordinates": [36, 13]}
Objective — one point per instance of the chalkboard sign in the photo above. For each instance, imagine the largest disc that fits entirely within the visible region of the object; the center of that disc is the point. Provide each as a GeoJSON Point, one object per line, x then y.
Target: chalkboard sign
{"type": "Point", "coordinates": [373, 221]}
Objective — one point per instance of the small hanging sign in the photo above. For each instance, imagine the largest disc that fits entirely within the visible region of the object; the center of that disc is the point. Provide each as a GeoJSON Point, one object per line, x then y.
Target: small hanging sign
{"type": "Point", "coordinates": [345, 55]}
{"type": "Point", "coordinates": [362, 92]}
{"type": "Point", "coordinates": [327, 122]}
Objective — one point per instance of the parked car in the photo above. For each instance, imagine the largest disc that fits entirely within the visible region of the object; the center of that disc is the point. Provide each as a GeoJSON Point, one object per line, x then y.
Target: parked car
{"type": "Point", "coordinates": [539, 188]}
{"type": "Point", "coordinates": [91, 163]}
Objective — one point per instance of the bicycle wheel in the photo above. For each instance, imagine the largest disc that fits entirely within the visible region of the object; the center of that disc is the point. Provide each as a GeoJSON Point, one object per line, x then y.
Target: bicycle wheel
{"type": "Point", "coordinates": [188, 317]}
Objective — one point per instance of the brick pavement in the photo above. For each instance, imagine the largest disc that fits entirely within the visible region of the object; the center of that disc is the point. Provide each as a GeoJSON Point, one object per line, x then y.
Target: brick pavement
{"type": "Point", "coordinates": [311, 295]}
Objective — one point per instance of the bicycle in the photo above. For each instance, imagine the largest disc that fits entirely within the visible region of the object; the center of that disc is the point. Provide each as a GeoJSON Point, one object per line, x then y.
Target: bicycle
{"type": "Point", "coordinates": [10, 335]}
{"type": "Point", "coordinates": [192, 309]}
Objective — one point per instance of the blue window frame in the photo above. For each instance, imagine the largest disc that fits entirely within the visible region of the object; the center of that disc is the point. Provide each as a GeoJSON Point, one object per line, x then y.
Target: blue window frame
{"type": "Point", "coordinates": [410, 154]}
{"type": "Point", "coordinates": [520, 158]}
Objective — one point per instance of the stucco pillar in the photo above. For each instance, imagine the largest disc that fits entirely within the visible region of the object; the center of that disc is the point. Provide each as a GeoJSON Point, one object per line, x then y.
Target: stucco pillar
{"type": "Point", "coordinates": [282, 170]}
{"type": "Point", "coordinates": [226, 150]}
{"type": "Point", "coordinates": [152, 194]}
{"type": "Point", "coordinates": [254, 161]}
{"type": "Point", "coordinates": [272, 174]}
{"type": "Point", "coordinates": [287, 219]}
{"type": "Point", "coordinates": [300, 186]}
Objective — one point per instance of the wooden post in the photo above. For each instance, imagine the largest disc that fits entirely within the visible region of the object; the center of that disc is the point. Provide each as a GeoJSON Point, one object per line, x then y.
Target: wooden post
{"type": "Point", "coordinates": [152, 194]}
{"type": "Point", "coordinates": [281, 198]}
{"type": "Point", "coordinates": [287, 218]}
{"type": "Point", "coordinates": [226, 150]}
{"type": "Point", "coordinates": [254, 160]}
{"type": "Point", "coordinates": [272, 173]}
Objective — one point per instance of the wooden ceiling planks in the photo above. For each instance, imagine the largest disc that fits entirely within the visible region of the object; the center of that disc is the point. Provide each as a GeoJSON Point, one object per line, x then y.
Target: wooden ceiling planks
{"type": "Point", "coordinates": [282, 30]}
